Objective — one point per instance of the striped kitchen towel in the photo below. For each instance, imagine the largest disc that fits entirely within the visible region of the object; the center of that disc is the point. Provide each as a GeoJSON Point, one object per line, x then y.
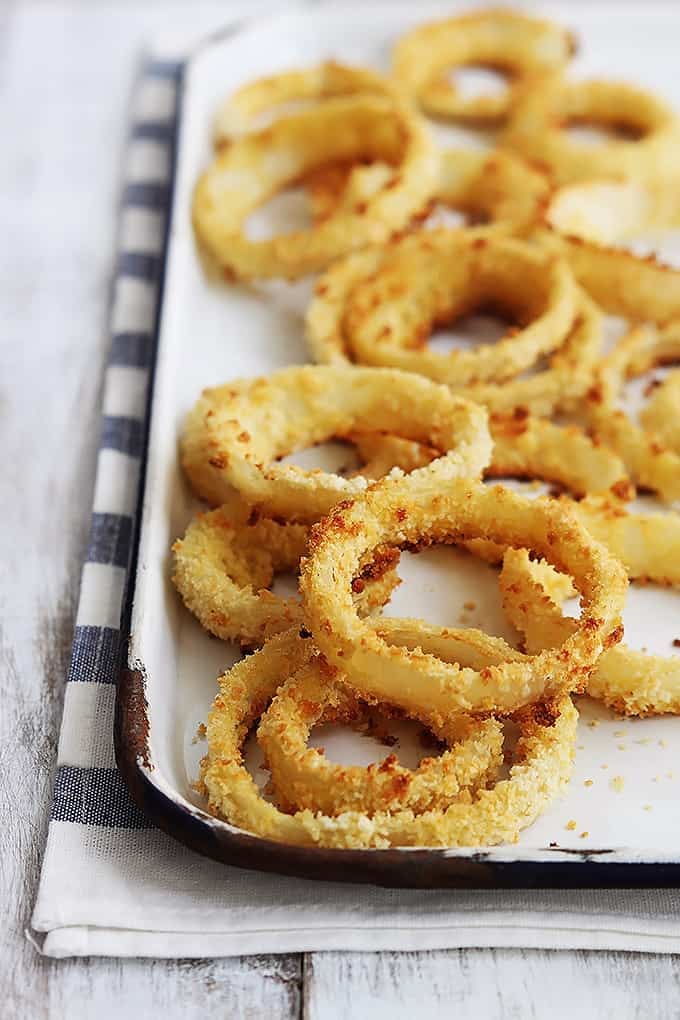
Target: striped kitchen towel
{"type": "Point", "coordinates": [113, 885]}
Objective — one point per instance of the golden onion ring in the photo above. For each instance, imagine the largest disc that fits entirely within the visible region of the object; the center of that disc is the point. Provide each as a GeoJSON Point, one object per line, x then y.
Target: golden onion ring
{"type": "Point", "coordinates": [541, 768]}
{"type": "Point", "coordinates": [535, 449]}
{"type": "Point", "coordinates": [378, 307]}
{"type": "Point", "coordinates": [237, 433]}
{"type": "Point", "coordinates": [647, 544]}
{"type": "Point", "coordinates": [650, 463]}
{"type": "Point", "coordinates": [523, 447]}
{"type": "Point", "coordinates": [419, 509]}
{"type": "Point", "coordinates": [540, 115]}
{"type": "Point", "coordinates": [500, 193]}
{"type": "Point", "coordinates": [239, 114]}
{"type": "Point", "coordinates": [661, 413]}
{"type": "Point", "coordinates": [227, 560]}
{"type": "Point", "coordinates": [254, 168]}
{"type": "Point", "coordinates": [630, 682]}
{"type": "Point", "coordinates": [304, 778]}
{"type": "Point", "coordinates": [525, 48]}
{"type": "Point", "coordinates": [561, 385]}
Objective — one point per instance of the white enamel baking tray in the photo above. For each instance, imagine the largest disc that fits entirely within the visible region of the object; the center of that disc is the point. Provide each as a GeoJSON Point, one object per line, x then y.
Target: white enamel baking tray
{"type": "Point", "coordinates": [627, 829]}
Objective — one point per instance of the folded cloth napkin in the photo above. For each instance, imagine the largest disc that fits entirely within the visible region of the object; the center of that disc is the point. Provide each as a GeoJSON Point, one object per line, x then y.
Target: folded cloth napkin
{"type": "Point", "coordinates": [112, 884]}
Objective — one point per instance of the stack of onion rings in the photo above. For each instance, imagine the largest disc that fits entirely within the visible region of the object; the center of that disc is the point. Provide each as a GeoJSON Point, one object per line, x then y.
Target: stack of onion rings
{"type": "Point", "coordinates": [542, 765]}
{"type": "Point", "coordinates": [418, 510]}
{"type": "Point", "coordinates": [542, 222]}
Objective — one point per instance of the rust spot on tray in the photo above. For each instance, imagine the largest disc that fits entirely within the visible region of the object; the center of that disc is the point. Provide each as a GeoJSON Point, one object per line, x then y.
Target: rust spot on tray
{"type": "Point", "coordinates": [134, 712]}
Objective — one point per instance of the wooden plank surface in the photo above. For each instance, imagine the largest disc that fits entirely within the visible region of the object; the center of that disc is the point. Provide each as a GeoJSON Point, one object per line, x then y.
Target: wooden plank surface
{"type": "Point", "coordinates": [65, 71]}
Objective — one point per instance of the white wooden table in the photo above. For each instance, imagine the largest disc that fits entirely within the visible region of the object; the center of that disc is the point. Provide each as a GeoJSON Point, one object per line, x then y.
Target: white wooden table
{"type": "Point", "coordinates": [65, 74]}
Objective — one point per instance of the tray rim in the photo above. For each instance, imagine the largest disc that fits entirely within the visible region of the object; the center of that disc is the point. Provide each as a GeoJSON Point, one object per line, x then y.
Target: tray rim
{"type": "Point", "coordinates": [211, 837]}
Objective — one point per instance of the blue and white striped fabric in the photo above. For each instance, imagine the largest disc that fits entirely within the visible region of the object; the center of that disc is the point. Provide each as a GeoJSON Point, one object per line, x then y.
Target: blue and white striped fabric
{"type": "Point", "coordinates": [88, 789]}
{"type": "Point", "coordinates": [113, 885]}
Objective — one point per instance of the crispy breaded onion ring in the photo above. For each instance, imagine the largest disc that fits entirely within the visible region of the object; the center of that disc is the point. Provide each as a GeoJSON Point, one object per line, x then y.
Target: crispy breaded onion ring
{"type": "Point", "coordinates": [661, 413]}
{"type": "Point", "coordinates": [523, 447]}
{"type": "Point", "coordinates": [254, 168]}
{"type": "Point", "coordinates": [379, 306]}
{"type": "Point", "coordinates": [227, 560]}
{"type": "Point", "coordinates": [609, 209]}
{"type": "Point", "coordinates": [541, 114]}
{"type": "Point", "coordinates": [499, 192]}
{"type": "Point", "coordinates": [542, 764]}
{"type": "Point", "coordinates": [649, 462]}
{"type": "Point", "coordinates": [533, 448]}
{"type": "Point", "coordinates": [587, 222]}
{"type": "Point", "coordinates": [630, 682]}
{"type": "Point", "coordinates": [418, 509]}
{"type": "Point", "coordinates": [561, 385]}
{"type": "Point", "coordinates": [623, 283]}
{"type": "Point", "coordinates": [523, 47]}
{"type": "Point", "coordinates": [239, 114]}
{"type": "Point", "coordinates": [526, 448]}
{"type": "Point", "coordinates": [305, 778]}
{"type": "Point", "coordinates": [236, 433]}
{"type": "Point", "coordinates": [647, 544]}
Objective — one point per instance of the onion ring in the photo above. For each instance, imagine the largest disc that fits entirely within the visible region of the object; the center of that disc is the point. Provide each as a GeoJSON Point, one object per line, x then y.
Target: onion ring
{"type": "Point", "coordinates": [236, 433]}
{"type": "Point", "coordinates": [542, 767]}
{"type": "Point", "coordinates": [254, 168]}
{"type": "Point", "coordinates": [630, 682]}
{"type": "Point", "coordinates": [621, 282]}
{"type": "Point", "coordinates": [227, 560]}
{"type": "Point", "coordinates": [536, 129]}
{"type": "Point", "coordinates": [660, 414]}
{"type": "Point", "coordinates": [525, 48]}
{"type": "Point", "coordinates": [650, 464]}
{"type": "Point", "coordinates": [533, 448]}
{"type": "Point", "coordinates": [497, 190]}
{"type": "Point", "coordinates": [329, 80]}
{"type": "Point", "coordinates": [418, 509]}
{"type": "Point", "coordinates": [379, 306]}
{"type": "Point", "coordinates": [308, 779]}
{"type": "Point", "coordinates": [647, 544]}
{"type": "Point", "coordinates": [523, 447]}
{"type": "Point", "coordinates": [586, 221]}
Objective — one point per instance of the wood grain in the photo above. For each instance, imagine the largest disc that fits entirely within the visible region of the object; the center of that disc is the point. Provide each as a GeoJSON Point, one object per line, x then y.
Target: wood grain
{"type": "Point", "coordinates": [63, 95]}
{"type": "Point", "coordinates": [504, 985]}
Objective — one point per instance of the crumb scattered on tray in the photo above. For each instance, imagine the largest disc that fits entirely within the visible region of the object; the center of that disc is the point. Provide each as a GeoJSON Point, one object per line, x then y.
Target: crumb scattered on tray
{"type": "Point", "coordinates": [200, 734]}
{"type": "Point", "coordinates": [588, 782]}
{"type": "Point", "coordinates": [617, 784]}
{"type": "Point", "coordinates": [570, 825]}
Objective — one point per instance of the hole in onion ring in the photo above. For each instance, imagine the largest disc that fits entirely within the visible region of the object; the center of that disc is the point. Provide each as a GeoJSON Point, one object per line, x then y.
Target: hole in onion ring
{"type": "Point", "coordinates": [592, 132]}
{"type": "Point", "coordinates": [373, 738]}
{"type": "Point", "coordinates": [470, 331]}
{"type": "Point", "coordinates": [476, 80]}
{"type": "Point", "coordinates": [650, 618]}
{"type": "Point", "coordinates": [284, 213]}
{"type": "Point", "coordinates": [440, 580]}
{"type": "Point", "coordinates": [336, 455]}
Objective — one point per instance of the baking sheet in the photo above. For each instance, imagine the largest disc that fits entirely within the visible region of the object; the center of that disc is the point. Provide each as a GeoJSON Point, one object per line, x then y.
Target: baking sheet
{"type": "Point", "coordinates": [623, 794]}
